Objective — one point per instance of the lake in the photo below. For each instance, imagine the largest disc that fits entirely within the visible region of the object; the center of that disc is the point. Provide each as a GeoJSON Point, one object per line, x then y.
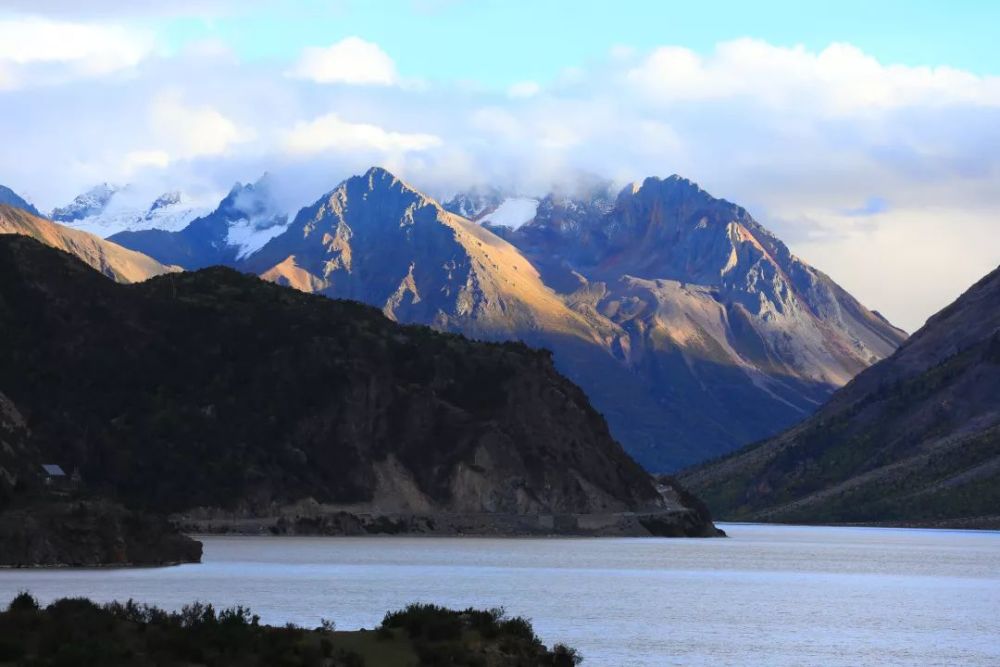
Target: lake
{"type": "Point", "coordinates": [768, 595]}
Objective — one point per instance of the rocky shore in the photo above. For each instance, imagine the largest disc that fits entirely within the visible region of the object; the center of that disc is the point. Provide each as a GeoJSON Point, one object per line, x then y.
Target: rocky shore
{"type": "Point", "coordinates": [317, 520]}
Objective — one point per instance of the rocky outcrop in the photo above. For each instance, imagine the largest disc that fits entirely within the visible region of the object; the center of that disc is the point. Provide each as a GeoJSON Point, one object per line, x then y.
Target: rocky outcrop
{"type": "Point", "coordinates": [90, 534]}
{"type": "Point", "coordinates": [913, 440]}
{"type": "Point", "coordinates": [114, 261]}
{"type": "Point", "coordinates": [217, 389]}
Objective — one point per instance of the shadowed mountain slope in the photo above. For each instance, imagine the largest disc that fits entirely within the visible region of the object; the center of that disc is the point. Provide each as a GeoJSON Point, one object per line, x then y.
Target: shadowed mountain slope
{"type": "Point", "coordinates": [10, 198]}
{"type": "Point", "coordinates": [913, 439]}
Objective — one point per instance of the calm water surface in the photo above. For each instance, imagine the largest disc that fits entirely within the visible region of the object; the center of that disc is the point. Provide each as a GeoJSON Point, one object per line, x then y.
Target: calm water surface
{"type": "Point", "coordinates": [769, 595]}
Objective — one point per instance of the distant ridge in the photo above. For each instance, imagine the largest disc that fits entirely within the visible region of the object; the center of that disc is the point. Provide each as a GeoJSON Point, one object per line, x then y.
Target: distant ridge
{"type": "Point", "coordinates": [10, 198]}
{"type": "Point", "coordinates": [114, 261]}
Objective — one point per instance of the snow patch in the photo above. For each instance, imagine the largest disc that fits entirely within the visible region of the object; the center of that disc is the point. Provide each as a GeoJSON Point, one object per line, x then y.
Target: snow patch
{"type": "Point", "coordinates": [250, 235]}
{"type": "Point", "coordinates": [513, 212]}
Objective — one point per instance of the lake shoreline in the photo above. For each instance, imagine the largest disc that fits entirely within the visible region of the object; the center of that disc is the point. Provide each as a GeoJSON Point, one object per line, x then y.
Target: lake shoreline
{"type": "Point", "coordinates": [772, 594]}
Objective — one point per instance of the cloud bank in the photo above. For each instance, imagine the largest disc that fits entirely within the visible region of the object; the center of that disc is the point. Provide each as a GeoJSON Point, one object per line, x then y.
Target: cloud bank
{"type": "Point", "coordinates": [884, 176]}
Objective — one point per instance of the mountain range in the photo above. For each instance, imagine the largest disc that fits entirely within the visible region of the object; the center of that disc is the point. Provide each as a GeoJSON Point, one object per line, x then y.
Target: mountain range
{"type": "Point", "coordinates": [692, 328]}
{"type": "Point", "coordinates": [914, 439]}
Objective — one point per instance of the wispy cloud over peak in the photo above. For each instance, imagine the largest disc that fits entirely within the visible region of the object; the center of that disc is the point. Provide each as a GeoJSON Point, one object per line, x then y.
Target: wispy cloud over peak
{"type": "Point", "coordinates": [330, 132]}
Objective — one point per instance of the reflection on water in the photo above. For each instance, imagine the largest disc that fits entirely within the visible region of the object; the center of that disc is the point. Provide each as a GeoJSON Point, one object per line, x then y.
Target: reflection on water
{"type": "Point", "coordinates": [769, 595]}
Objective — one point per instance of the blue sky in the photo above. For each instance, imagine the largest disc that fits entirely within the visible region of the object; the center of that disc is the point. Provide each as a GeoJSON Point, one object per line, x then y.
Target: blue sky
{"type": "Point", "coordinates": [864, 134]}
{"type": "Point", "coordinates": [497, 43]}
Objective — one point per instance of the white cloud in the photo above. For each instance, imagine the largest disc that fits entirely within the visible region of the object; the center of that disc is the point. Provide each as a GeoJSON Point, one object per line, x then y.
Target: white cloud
{"type": "Point", "coordinates": [36, 50]}
{"type": "Point", "coordinates": [142, 8]}
{"type": "Point", "coordinates": [352, 60]}
{"type": "Point", "coordinates": [908, 263]}
{"type": "Point", "coordinates": [524, 89]}
{"type": "Point", "coordinates": [137, 160]}
{"type": "Point", "coordinates": [332, 133]}
{"type": "Point", "coordinates": [192, 131]}
{"type": "Point", "coordinates": [839, 79]}
{"type": "Point", "coordinates": [496, 122]}
{"type": "Point", "coordinates": [622, 52]}
{"type": "Point", "coordinates": [7, 78]}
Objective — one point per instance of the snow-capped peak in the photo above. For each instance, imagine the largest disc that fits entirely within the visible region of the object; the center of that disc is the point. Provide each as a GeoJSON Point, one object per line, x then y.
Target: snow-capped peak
{"type": "Point", "coordinates": [108, 209]}
{"type": "Point", "coordinates": [90, 203]}
{"type": "Point", "coordinates": [252, 216]}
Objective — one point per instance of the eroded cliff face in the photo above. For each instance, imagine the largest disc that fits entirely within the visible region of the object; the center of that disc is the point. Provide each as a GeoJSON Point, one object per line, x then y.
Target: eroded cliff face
{"type": "Point", "coordinates": [214, 389]}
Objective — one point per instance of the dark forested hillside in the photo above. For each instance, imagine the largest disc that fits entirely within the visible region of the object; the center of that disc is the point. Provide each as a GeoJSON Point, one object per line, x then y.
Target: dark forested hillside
{"type": "Point", "coordinates": [217, 389]}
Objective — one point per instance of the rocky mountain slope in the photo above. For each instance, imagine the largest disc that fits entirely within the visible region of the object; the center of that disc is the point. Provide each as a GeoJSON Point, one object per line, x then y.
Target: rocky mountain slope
{"type": "Point", "coordinates": [243, 222]}
{"type": "Point", "coordinates": [108, 209]}
{"type": "Point", "coordinates": [376, 240]}
{"type": "Point", "coordinates": [214, 389]}
{"type": "Point", "coordinates": [114, 261]}
{"type": "Point", "coordinates": [913, 439]}
{"type": "Point", "coordinates": [692, 329]}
